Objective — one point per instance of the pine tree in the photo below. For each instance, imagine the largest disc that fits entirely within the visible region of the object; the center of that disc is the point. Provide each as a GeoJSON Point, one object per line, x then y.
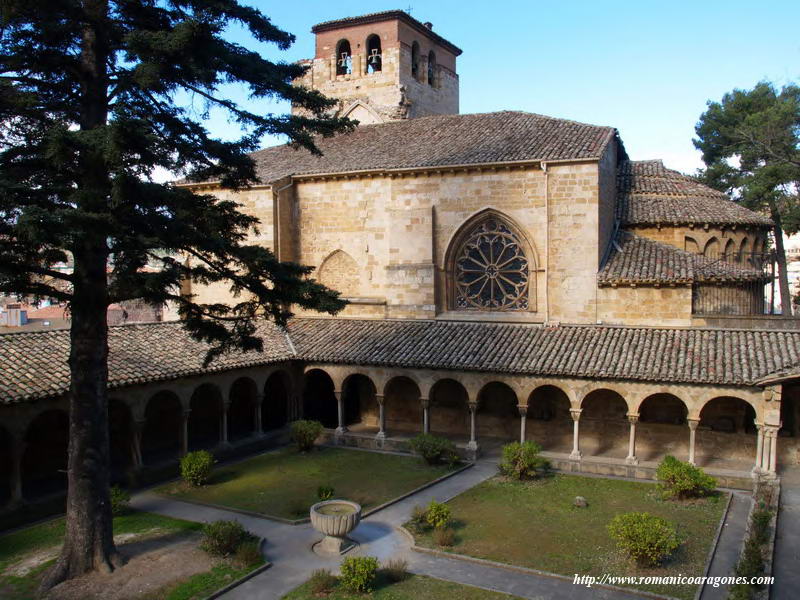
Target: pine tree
{"type": "Point", "coordinates": [760, 130]}
{"type": "Point", "coordinates": [88, 111]}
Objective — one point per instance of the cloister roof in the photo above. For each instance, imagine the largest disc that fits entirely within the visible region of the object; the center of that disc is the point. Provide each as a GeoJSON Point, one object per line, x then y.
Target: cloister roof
{"type": "Point", "coordinates": [34, 365]}
{"type": "Point", "coordinates": [651, 194]}
{"type": "Point", "coordinates": [638, 260]}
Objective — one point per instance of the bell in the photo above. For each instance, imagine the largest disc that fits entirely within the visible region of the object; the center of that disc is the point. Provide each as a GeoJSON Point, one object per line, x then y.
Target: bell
{"type": "Point", "coordinates": [374, 57]}
{"type": "Point", "coordinates": [343, 61]}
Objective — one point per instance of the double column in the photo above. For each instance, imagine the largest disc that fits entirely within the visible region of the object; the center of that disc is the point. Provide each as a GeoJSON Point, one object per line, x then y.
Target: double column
{"type": "Point", "coordinates": [766, 450]}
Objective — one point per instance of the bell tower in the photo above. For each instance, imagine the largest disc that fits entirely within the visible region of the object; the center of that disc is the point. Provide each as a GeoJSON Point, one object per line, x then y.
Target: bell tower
{"type": "Point", "coordinates": [383, 67]}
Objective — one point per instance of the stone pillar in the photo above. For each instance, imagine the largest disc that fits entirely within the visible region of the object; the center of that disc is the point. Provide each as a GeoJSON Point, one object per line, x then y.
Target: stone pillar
{"type": "Point", "coordinates": [758, 466]}
{"type": "Point", "coordinates": [184, 449]}
{"type": "Point", "coordinates": [693, 423]}
{"type": "Point", "coordinates": [342, 428]}
{"type": "Point", "coordinates": [136, 444]}
{"type": "Point", "coordinates": [381, 435]}
{"type": "Point", "coordinates": [770, 455]}
{"type": "Point", "coordinates": [631, 458]}
{"type": "Point", "coordinates": [523, 418]}
{"type": "Point", "coordinates": [426, 416]}
{"type": "Point", "coordinates": [575, 413]}
{"type": "Point", "coordinates": [17, 451]}
{"type": "Point", "coordinates": [473, 441]}
{"type": "Point", "coordinates": [259, 428]}
{"type": "Point", "coordinates": [223, 425]}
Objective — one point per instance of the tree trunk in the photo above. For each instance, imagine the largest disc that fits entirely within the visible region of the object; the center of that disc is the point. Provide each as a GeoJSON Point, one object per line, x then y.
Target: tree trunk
{"type": "Point", "coordinates": [780, 257]}
{"type": "Point", "coordinates": [89, 541]}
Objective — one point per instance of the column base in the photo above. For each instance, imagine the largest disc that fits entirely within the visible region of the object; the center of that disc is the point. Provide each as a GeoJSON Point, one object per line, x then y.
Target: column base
{"type": "Point", "coordinates": [631, 460]}
{"type": "Point", "coordinates": [341, 430]}
{"type": "Point", "coordinates": [381, 435]}
{"type": "Point", "coordinates": [574, 455]}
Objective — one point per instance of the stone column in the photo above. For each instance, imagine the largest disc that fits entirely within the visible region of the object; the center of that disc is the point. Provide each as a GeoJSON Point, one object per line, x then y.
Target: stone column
{"type": "Point", "coordinates": [426, 416]}
{"type": "Point", "coordinates": [523, 417]}
{"type": "Point", "coordinates": [575, 413]}
{"type": "Point", "coordinates": [184, 449]}
{"type": "Point", "coordinates": [223, 425]}
{"type": "Point", "coordinates": [259, 428]}
{"type": "Point", "coordinates": [381, 435]}
{"type": "Point", "coordinates": [758, 466]}
{"type": "Point", "coordinates": [473, 441]}
{"type": "Point", "coordinates": [17, 451]}
{"type": "Point", "coordinates": [631, 458]}
{"type": "Point", "coordinates": [136, 444]}
{"type": "Point", "coordinates": [342, 428]}
{"type": "Point", "coordinates": [770, 460]}
{"type": "Point", "coordinates": [693, 423]}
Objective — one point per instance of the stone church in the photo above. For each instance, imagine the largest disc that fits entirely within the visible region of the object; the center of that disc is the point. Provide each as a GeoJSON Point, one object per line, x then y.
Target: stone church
{"type": "Point", "coordinates": [509, 276]}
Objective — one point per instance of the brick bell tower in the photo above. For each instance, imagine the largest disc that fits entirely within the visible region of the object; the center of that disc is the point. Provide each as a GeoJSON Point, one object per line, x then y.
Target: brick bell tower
{"type": "Point", "coordinates": [383, 67]}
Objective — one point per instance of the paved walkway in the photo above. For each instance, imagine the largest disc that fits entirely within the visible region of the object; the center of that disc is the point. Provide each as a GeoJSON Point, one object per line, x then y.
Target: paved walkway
{"type": "Point", "coordinates": [289, 548]}
{"type": "Point", "coordinates": [729, 546]}
{"type": "Point", "coordinates": [786, 567]}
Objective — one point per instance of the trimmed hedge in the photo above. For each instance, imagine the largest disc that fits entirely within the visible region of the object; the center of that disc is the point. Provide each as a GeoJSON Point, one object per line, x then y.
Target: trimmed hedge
{"type": "Point", "coordinates": [646, 538]}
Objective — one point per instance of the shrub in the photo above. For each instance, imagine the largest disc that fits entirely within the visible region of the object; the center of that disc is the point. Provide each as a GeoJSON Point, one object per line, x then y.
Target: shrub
{"type": "Point", "coordinates": [358, 573]}
{"type": "Point", "coordinates": [396, 570]}
{"type": "Point", "coordinates": [248, 554]}
{"type": "Point", "coordinates": [682, 480]}
{"type": "Point", "coordinates": [222, 538]}
{"type": "Point", "coordinates": [120, 500]}
{"type": "Point", "coordinates": [305, 433]}
{"type": "Point", "coordinates": [444, 537]}
{"type": "Point", "coordinates": [196, 467]}
{"type": "Point", "coordinates": [759, 523]}
{"type": "Point", "coordinates": [434, 449]}
{"type": "Point", "coordinates": [325, 492]}
{"type": "Point", "coordinates": [322, 582]}
{"type": "Point", "coordinates": [419, 517]}
{"type": "Point", "coordinates": [437, 515]}
{"type": "Point", "coordinates": [646, 538]}
{"type": "Point", "coordinates": [522, 460]}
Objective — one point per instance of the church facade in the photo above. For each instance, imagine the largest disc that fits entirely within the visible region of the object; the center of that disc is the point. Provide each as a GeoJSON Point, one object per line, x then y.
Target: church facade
{"type": "Point", "coordinates": [509, 276]}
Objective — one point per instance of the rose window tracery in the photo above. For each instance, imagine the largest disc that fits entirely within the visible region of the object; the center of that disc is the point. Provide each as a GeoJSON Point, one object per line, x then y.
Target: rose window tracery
{"type": "Point", "coordinates": [491, 269]}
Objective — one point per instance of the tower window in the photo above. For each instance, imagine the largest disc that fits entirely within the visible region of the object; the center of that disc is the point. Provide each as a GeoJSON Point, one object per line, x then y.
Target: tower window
{"type": "Point", "coordinates": [415, 60]}
{"type": "Point", "coordinates": [374, 58]}
{"type": "Point", "coordinates": [344, 58]}
{"type": "Point", "coordinates": [431, 69]}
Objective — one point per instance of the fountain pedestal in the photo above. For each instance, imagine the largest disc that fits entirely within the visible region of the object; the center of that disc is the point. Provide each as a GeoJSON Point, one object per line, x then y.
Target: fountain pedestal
{"type": "Point", "coordinates": [335, 519]}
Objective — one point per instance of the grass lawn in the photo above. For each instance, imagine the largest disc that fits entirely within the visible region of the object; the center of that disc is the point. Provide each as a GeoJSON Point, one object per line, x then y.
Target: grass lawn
{"type": "Point", "coordinates": [26, 554]}
{"type": "Point", "coordinates": [415, 587]}
{"type": "Point", "coordinates": [534, 524]}
{"type": "Point", "coordinates": [284, 483]}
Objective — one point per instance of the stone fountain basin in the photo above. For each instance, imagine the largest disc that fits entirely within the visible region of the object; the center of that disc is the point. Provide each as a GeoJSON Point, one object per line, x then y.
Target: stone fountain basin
{"type": "Point", "coordinates": [335, 518]}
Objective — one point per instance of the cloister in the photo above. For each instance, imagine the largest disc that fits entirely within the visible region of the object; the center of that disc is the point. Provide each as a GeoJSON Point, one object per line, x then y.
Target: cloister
{"type": "Point", "coordinates": [578, 422]}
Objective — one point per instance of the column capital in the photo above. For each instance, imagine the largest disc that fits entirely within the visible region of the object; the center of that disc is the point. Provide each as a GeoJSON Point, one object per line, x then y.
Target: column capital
{"type": "Point", "coordinates": [425, 402]}
{"type": "Point", "coordinates": [473, 406]}
{"type": "Point", "coordinates": [575, 413]}
{"type": "Point", "coordinates": [523, 410]}
{"type": "Point", "coordinates": [379, 398]}
{"type": "Point", "coordinates": [693, 423]}
{"type": "Point", "coordinates": [260, 397]}
{"type": "Point", "coordinates": [633, 418]}
{"type": "Point", "coordinates": [186, 412]}
{"type": "Point", "coordinates": [337, 394]}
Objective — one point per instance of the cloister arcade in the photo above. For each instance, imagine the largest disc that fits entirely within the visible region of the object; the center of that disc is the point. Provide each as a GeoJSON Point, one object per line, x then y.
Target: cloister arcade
{"type": "Point", "coordinates": [626, 423]}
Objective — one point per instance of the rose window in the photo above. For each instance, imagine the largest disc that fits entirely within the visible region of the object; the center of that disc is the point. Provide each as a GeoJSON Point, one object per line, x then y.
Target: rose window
{"type": "Point", "coordinates": [491, 270]}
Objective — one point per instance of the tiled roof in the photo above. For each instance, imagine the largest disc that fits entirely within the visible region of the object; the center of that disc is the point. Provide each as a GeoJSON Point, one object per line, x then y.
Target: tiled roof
{"type": "Point", "coordinates": [34, 365]}
{"type": "Point", "coordinates": [439, 141]}
{"type": "Point", "coordinates": [651, 194]}
{"type": "Point", "coordinates": [638, 260]}
{"type": "Point", "coordinates": [385, 15]}
{"type": "Point", "coordinates": [716, 356]}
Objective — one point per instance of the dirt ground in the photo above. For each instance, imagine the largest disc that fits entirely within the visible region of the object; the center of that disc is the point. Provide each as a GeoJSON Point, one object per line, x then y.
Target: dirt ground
{"type": "Point", "coordinates": [153, 563]}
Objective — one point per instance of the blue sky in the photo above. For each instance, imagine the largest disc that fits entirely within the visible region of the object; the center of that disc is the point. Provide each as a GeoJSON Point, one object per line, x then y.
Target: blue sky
{"type": "Point", "coordinates": [645, 67]}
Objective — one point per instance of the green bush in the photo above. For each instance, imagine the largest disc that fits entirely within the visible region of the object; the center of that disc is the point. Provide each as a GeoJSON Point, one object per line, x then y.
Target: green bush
{"type": "Point", "coordinates": [522, 460]}
{"type": "Point", "coordinates": [325, 492]}
{"type": "Point", "coordinates": [434, 449]}
{"type": "Point", "coordinates": [322, 582]}
{"type": "Point", "coordinates": [437, 515]}
{"type": "Point", "coordinates": [444, 537]}
{"type": "Point", "coordinates": [196, 467]}
{"type": "Point", "coordinates": [358, 573]}
{"type": "Point", "coordinates": [304, 433]}
{"type": "Point", "coordinates": [646, 538]}
{"type": "Point", "coordinates": [419, 517]}
{"type": "Point", "coordinates": [248, 554]}
{"type": "Point", "coordinates": [120, 500]}
{"type": "Point", "coordinates": [759, 523]}
{"type": "Point", "coordinates": [682, 480]}
{"type": "Point", "coordinates": [396, 570]}
{"type": "Point", "coordinates": [222, 538]}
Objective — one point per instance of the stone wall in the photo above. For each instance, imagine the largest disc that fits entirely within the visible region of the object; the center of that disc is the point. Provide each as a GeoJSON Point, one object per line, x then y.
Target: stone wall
{"type": "Point", "coordinates": [653, 306]}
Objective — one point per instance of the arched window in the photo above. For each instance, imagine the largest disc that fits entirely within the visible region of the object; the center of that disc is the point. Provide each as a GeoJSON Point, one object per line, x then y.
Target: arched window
{"type": "Point", "coordinates": [415, 60]}
{"type": "Point", "coordinates": [344, 58]}
{"type": "Point", "coordinates": [489, 267]}
{"type": "Point", "coordinates": [374, 58]}
{"type": "Point", "coordinates": [431, 69]}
